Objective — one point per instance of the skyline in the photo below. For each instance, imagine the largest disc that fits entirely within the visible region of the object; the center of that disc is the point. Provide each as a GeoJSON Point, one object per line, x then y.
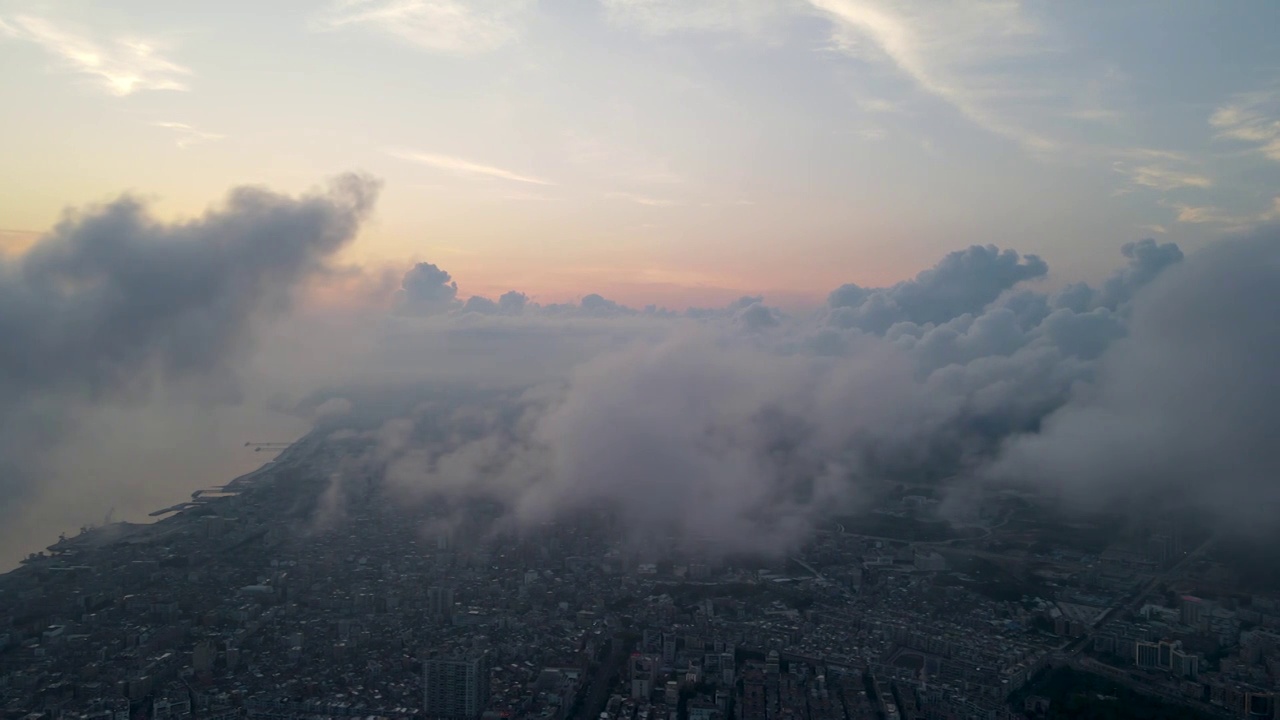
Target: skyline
{"type": "Point", "coordinates": [677, 154]}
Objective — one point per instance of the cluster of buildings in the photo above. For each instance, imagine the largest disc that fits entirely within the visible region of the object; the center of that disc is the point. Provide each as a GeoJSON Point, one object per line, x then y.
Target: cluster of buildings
{"type": "Point", "coordinates": [244, 605]}
{"type": "Point", "coordinates": [1222, 654]}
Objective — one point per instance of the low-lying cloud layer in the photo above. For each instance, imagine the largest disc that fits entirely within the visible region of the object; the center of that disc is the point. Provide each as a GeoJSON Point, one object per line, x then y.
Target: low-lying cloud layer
{"type": "Point", "coordinates": [1185, 407]}
{"type": "Point", "coordinates": [743, 427]}
{"type": "Point", "coordinates": [111, 305]}
{"type": "Point", "coordinates": [738, 427]}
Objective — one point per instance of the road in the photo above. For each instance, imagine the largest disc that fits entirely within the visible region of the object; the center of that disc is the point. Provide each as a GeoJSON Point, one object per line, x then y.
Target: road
{"type": "Point", "coordinates": [1134, 601]}
{"type": "Point", "coordinates": [601, 684]}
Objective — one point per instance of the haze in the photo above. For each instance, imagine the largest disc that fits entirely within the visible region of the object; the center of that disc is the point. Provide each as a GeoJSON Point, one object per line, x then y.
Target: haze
{"type": "Point", "coordinates": [764, 255]}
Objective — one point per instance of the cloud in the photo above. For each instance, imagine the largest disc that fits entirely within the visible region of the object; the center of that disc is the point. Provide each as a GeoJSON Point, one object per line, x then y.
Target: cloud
{"type": "Point", "coordinates": [1182, 409]}
{"type": "Point", "coordinates": [736, 428]}
{"type": "Point", "coordinates": [123, 66]}
{"type": "Point", "coordinates": [1252, 118]}
{"type": "Point", "coordinates": [1211, 215]}
{"type": "Point", "coordinates": [963, 282]}
{"type": "Point", "coordinates": [599, 306]}
{"type": "Point", "coordinates": [112, 308]}
{"type": "Point", "coordinates": [466, 167]}
{"type": "Point", "coordinates": [1147, 259]}
{"type": "Point", "coordinates": [335, 407]}
{"type": "Point", "coordinates": [480, 304]}
{"type": "Point", "coordinates": [950, 50]}
{"type": "Point", "coordinates": [513, 302]}
{"type": "Point", "coordinates": [188, 135]}
{"type": "Point", "coordinates": [686, 439]}
{"type": "Point", "coordinates": [758, 316]}
{"type": "Point", "coordinates": [983, 59]}
{"type": "Point", "coordinates": [456, 27]}
{"type": "Point", "coordinates": [1162, 170]}
{"type": "Point", "coordinates": [1160, 177]}
{"type": "Point", "coordinates": [740, 427]}
{"type": "Point", "coordinates": [427, 289]}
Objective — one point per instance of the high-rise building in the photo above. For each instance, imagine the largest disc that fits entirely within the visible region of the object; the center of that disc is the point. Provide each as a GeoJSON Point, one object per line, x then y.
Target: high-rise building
{"type": "Point", "coordinates": [1185, 665]}
{"type": "Point", "coordinates": [727, 669]}
{"type": "Point", "coordinates": [1192, 610]}
{"type": "Point", "coordinates": [669, 649]}
{"type": "Point", "coordinates": [457, 687]}
{"type": "Point", "coordinates": [644, 670]}
{"type": "Point", "coordinates": [753, 696]}
{"type": "Point", "coordinates": [440, 602]}
{"type": "Point", "coordinates": [203, 655]}
{"type": "Point", "coordinates": [671, 693]}
{"type": "Point", "coordinates": [772, 666]}
{"type": "Point", "coordinates": [1147, 655]}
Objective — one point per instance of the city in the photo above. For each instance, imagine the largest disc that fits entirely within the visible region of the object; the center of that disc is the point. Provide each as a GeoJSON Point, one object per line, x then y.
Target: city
{"type": "Point", "coordinates": [639, 360]}
{"type": "Point", "coordinates": [225, 609]}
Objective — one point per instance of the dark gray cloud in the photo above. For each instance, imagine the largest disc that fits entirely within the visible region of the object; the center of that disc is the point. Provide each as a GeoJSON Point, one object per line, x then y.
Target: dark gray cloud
{"type": "Point", "coordinates": [513, 302]}
{"type": "Point", "coordinates": [1147, 259]}
{"type": "Point", "coordinates": [480, 304]}
{"type": "Point", "coordinates": [758, 316]}
{"type": "Point", "coordinates": [112, 303]}
{"type": "Point", "coordinates": [599, 306]}
{"type": "Point", "coordinates": [965, 281]}
{"type": "Point", "coordinates": [426, 290]}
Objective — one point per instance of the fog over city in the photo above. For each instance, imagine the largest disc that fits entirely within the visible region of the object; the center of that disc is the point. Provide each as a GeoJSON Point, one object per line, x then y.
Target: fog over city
{"type": "Point", "coordinates": [747, 425]}
{"type": "Point", "coordinates": [639, 360]}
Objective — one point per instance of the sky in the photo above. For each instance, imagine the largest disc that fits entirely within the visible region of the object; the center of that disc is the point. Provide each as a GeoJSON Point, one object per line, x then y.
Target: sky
{"type": "Point", "coordinates": [678, 153]}
{"type": "Point", "coordinates": [749, 260]}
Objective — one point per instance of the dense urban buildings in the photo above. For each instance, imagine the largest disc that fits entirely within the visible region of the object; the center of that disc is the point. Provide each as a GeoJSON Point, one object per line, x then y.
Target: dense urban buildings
{"type": "Point", "coordinates": [455, 687]}
{"type": "Point", "coordinates": [242, 605]}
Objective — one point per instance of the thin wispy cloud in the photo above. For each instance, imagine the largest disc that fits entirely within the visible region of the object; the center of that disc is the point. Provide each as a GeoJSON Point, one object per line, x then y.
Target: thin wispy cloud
{"type": "Point", "coordinates": [122, 66]}
{"type": "Point", "coordinates": [946, 49]}
{"type": "Point", "coordinates": [1210, 215]}
{"type": "Point", "coordinates": [1206, 215]}
{"type": "Point", "coordinates": [1161, 170]}
{"type": "Point", "coordinates": [188, 135]}
{"type": "Point", "coordinates": [641, 199]}
{"type": "Point", "coordinates": [463, 166]}
{"type": "Point", "coordinates": [1163, 178]}
{"type": "Point", "coordinates": [1253, 118]}
{"type": "Point", "coordinates": [458, 27]}
{"type": "Point", "coordinates": [965, 54]}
